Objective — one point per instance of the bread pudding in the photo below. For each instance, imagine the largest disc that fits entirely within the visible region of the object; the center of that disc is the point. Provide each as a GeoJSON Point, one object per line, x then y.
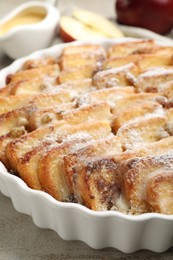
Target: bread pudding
{"type": "Point", "coordinates": [94, 126]}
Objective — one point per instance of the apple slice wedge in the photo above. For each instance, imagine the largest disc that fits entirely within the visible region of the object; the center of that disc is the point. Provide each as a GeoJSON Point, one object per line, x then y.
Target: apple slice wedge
{"type": "Point", "coordinates": [71, 30]}
{"type": "Point", "coordinates": [98, 23]}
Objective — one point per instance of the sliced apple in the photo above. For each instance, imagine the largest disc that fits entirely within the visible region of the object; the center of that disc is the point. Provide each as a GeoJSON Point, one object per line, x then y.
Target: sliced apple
{"type": "Point", "coordinates": [71, 29]}
{"type": "Point", "coordinates": [98, 23]}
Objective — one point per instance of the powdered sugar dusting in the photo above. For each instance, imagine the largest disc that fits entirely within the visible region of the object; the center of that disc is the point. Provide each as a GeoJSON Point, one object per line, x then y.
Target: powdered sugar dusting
{"type": "Point", "coordinates": [157, 71]}
{"type": "Point", "coordinates": [103, 73]}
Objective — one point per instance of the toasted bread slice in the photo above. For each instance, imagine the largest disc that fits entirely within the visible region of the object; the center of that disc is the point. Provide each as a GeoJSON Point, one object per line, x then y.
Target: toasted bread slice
{"type": "Point", "coordinates": [12, 102]}
{"type": "Point", "coordinates": [90, 56]}
{"type": "Point", "coordinates": [46, 71]}
{"type": "Point", "coordinates": [109, 95]}
{"type": "Point", "coordinates": [86, 49]}
{"type": "Point", "coordinates": [28, 86]}
{"type": "Point", "coordinates": [25, 160]}
{"type": "Point", "coordinates": [5, 91]}
{"type": "Point", "coordinates": [146, 130]}
{"type": "Point", "coordinates": [21, 146]}
{"type": "Point", "coordinates": [142, 61]}
{"type": "Point", "coordinates": [16, 132]}
{"type": "Point", "coordinates": [159, 191]}
{"type": "Point", "coordinates": [152, 80]}
{"type": "Point", "coordinates": [38, 85]}
{"type": "Point", "coordinates": [15, 118]}
{"type": "Point", "coordinates": [133, 112]}
{"type": "Point", "coordinates": [29, 117]}
{"type": "Point", "coordinates": [86, 71]}
{"type": "Point", "coordinates": [14, 124]}
{"type": "Point", "coordinates": [47, 85]}
{"type": "Point", "coordinates": [160, 147]}
{"type": "Point", "coordinates": [153, 60]}
{"type": "Point", "coordinates": [92, 112]}
{"type": "Point", "coordinates": [142, 47]}
{"type": "Point", "coordinates": [32, 86]}
{"type": "Point", "coordinates": [78, 86]}
{"type": "Point", "coordinates": [98, 111]}
{"type": "Point", "coordinates": [76, 61]}
{"type": "Point", "coordinates": [141, 176]}
{"type": "Point", "coordinates": [167, 89]}
{"type": "Point", "coordinates": [51, 171]}
{"type": "Point", "coordinates": [27, 164]}
{"type": "Point", "coordinates": [169, 123]}
{"type": "Point", "coordinates": [164, 50]}
{"type": "Point", "coordinates": [43, 116]}
{"type": "Point", "coordinates": [97, 181]}
{"type": "Point", "coordinates": [38, 63]}
{"type": "Point", "coordinates": [130, 48]}
{"type": "Point", "coordinates": [121, 76]}
{"type": "Point", "coordinates": [96, 148]}
{"type": "Point", "coordinates": [48, 99]}
{"type": "Point", "coordinates": [128, 101]}
{"type": "Point", "coordinates": [120, 61]}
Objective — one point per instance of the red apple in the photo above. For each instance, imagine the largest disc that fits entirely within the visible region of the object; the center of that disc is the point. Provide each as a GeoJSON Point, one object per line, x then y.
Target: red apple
{"type": "Point", "coordinates": [155, 15]}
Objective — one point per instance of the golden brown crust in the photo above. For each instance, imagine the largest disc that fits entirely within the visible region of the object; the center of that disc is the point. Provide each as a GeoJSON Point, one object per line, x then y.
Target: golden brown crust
{"type": "Point", "coordinates": [5, 91]}
{"type": "Point", "coordinates": [98, 182]}
{"type": "Point", "coordinates": [13, 102]}
{"type": "Point", "coordinates": [110, 95]}
{"type": "Point", "coordinates": [138, 174]}
{"type": "Point", "coordinates": [116, 62]}
{"type": "Point", "coordinates": [153, 79]}
{"type": "Point", "coordinates": [134, 111]}
{"type": "Point", "coordinates": [169, 124]}
{"type": "Point", "coordinates": [41, 117]}
{"type": "Point", "coordinates": [109, 145]}
{"type": "Point", "coordinates": [86, 71]}
{"type": "Point", "coordinates": [143, 131]}
{"type": "Point", "coordinates": [51, 169]}
{"type": "Point", "coordinates": [38, 63]}
{"type": "Point", "coordinates": [43, 72]}
{"type": "Point", "coordinates": [138, 47]}
{"type": "Point", "coordinates": [159, 192]}
{"type": "Point", "coordinates": [16, 149]}
{"type": "Point", "coordinates": [92, 49]}
{"type": "Point", "coordinates": [121, 76]}
{"type": "Point", "coordinates": [88, 55]}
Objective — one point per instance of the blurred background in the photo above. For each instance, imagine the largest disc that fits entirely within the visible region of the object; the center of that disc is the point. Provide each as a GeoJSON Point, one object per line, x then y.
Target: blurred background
{"type": "Point", "coordinates": [146, 18]}
{"type": "Point", "coordinates": [104, 7]}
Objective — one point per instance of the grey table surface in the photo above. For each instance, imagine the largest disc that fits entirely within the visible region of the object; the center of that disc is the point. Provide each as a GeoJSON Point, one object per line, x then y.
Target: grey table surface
{"type": "Point", "coordinates": [19, 237]}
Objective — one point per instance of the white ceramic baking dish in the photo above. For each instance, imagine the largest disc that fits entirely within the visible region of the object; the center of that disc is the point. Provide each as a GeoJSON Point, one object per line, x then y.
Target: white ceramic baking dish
{"type": "Point", "coordinates": [75, 222]}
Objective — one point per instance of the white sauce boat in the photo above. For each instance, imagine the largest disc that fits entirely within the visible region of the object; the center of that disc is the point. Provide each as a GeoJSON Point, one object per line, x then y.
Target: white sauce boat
{"type": "Point", "coordinates": [28, 28]}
